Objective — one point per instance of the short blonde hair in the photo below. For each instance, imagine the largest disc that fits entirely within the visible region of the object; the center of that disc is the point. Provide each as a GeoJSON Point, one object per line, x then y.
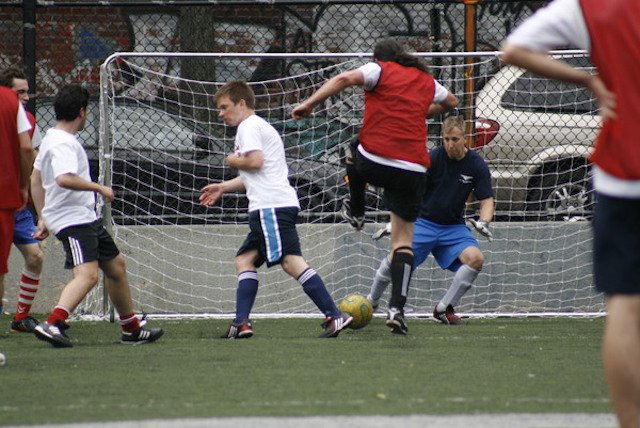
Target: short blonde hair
{"type": "Point", "coordinates": [453, 122]}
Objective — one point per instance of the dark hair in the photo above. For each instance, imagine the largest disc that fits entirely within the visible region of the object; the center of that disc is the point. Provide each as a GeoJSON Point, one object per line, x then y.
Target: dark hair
{"type": "Point", "coordinates": [237, 90]}
{"type": "Point", "coordinates": [68, 102]}
{"type": "Point", "coordinates": [391, 50]}
{"type": "Point", "coordinates": [7, 76]}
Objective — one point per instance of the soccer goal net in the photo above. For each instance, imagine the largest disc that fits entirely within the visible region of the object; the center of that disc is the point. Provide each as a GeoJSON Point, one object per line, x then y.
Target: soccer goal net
{"type": "Point", "coordinates": [161, 141]}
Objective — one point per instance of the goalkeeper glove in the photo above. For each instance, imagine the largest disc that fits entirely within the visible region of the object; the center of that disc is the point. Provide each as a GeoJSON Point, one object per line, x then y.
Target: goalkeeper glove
{"type": "Point", "coordinates": [385, 231]}
{"type": "Point", "coordinates": [482, 227]}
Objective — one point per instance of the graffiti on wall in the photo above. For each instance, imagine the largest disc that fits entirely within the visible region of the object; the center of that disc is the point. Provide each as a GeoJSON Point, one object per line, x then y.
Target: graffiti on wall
{"type": "Point", "coordinates": [71, 46]}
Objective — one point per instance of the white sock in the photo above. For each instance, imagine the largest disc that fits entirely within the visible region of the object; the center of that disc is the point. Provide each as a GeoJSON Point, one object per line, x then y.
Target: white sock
{"type": "Point", "coordinates": [461, 283]}
{"type": "Point", "coordinates": [381, 280]}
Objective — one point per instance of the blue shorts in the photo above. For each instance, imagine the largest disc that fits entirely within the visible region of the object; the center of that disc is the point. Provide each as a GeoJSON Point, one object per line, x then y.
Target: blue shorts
{"type": "Point", "coordinates": [616, 245]}
{"type": "Point", "coordinates": [445, 242]}
{"type": "Point", "coordinates": [273, 233]}
{"type": "Point", "coordinates": [24, 229]}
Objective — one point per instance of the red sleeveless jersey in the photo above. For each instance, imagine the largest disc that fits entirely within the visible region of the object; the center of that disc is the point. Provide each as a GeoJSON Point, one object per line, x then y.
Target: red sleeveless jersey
{"type": "Point", "coordinates": [395, 114]}
{"type": "Point", "coordinates": [9, 150]}
{"type": "Point", "coordinates": [32, 121]}
{"type": "Point", "coordinates": [614, 30]}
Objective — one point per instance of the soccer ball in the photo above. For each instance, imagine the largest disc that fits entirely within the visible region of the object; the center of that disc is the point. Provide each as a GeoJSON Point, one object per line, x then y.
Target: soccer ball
{"type": "Point", "coordinates": [359, 308]}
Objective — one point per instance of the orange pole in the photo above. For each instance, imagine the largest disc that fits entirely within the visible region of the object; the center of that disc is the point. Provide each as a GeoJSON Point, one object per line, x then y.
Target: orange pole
{"type": "Point", "coordinates": [470, 17]}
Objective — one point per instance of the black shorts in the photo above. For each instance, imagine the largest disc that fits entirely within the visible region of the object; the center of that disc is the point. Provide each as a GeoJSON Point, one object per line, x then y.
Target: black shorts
{"type": "Point", "coordinates": [273, 233]}
{"type": "Point", "coordinates": [616, 245]}
{"type": "Point", "coordinates": [403, 189]}
{"type": "Point", "coordinates": [86, 243]}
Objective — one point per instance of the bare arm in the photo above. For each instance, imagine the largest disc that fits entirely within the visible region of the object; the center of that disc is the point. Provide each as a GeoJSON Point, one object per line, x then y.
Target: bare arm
{"type": "Point", "coordinates": [26, 164]}
{"type": "Point", "coordinates": [212, 192]}
{"type": "Point", "coordinates": [251, 161]}
{"type": "Point", "coordinates": [75, 182]}
{"type": "Point", "coordinates": [544, 65]}
{"type": "Point", "coordinates": [487, 209]}
{"type": "Point", "coordinates": [448, 104]}
{"type": "Point", "coordinates": [331, 87]}
{"type": "Point", "coordinates": [37, 194]}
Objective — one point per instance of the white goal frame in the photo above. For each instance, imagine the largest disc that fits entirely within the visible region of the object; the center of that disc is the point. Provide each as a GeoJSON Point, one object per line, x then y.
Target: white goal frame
{"type": "Point", "coordinates": [515, 260]}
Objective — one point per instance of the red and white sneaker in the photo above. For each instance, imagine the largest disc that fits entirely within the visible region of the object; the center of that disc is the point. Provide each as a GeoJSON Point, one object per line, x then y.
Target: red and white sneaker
{"type": "Point", "coordinates": [448, 316]}
{"type": "Point", "coordinates": [242, 330]}
{"type": "Point", "coordinates": [334, 325]}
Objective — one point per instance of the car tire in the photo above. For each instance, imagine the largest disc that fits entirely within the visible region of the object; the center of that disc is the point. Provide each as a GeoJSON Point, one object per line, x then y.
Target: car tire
{"type": "Point", "coordinates": [562, 192]}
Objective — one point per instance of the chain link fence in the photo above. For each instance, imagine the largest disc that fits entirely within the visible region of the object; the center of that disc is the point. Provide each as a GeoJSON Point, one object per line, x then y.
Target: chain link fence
{"type": "Point", "coordinates": [66, 41]}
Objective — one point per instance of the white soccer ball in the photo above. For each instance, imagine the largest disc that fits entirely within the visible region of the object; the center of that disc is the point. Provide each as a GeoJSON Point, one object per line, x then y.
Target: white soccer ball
{"type": "Point", "coordinates": [3, 359]}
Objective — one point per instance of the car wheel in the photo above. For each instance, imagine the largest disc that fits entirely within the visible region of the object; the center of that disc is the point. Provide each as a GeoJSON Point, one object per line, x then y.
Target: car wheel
{"type": "Point", "coordinates": [561, 194]}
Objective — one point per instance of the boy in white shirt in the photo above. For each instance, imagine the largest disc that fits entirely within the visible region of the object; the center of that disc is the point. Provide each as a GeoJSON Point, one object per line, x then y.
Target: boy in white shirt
{"type": "Point", "coordinates": [63, 195]}
{"type": "Point", "coordinates": [273, 208]}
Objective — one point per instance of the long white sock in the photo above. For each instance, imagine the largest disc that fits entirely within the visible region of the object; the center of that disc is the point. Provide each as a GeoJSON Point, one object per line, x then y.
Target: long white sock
{"type": "Point", "coordinates": [381, 280]}
{"type": "Point", "coordinates": [461, 283]}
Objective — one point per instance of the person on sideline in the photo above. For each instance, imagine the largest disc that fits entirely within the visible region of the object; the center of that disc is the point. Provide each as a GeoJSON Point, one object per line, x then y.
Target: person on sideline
{"type": "Point", "coordinates": [13, 78]}
{"type": "Point", "coordinates": [273, 208]}
{"type": "Point", "coordinates": [392, 152]}
{"type": "Point", "coordinates": [64, 197]}
{"type": "Point", "coordinates": [610, 32]}
{"type": "Point", "coordinates": [440, 229]}
{"type": "Point", "coordinates": [15, 168]}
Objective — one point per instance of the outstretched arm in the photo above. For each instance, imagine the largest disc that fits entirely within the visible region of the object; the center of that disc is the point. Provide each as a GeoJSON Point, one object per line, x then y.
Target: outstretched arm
{"type": "Point", "coordinates": [212, 192]}
{"type": "Point", "coordinates": [333, 86]}
{"type": "Point", "coordinates": [544, 65]}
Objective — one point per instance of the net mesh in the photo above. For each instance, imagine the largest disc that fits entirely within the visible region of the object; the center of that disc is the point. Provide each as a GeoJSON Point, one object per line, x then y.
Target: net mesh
{"type": "Point", "coordinates": [162, 141]}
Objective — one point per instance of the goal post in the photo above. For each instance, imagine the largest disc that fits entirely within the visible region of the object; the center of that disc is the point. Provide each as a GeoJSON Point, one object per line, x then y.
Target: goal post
{"type": "Point", "coordinates": [161, 141]}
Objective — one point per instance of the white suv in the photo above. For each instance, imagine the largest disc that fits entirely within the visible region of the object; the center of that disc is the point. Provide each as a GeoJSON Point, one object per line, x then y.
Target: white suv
{"type": "Point", "coordinates": [538, 158]}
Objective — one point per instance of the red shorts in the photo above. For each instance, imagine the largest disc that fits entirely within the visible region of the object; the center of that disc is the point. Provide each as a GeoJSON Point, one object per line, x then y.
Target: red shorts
{"type": "Point", "coordinates": [7, 223]}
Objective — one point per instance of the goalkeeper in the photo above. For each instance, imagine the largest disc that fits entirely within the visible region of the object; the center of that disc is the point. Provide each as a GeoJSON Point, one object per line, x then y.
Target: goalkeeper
{"type": "Point", "coordinates": [455, 173]}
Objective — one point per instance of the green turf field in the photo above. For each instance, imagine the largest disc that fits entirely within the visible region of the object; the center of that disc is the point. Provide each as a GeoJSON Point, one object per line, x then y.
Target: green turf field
{"type": "Point", "coordinates": [487, 366]}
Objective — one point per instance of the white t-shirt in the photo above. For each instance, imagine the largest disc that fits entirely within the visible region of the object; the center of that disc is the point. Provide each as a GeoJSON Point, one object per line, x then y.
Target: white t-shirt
{"type": "Point", "coordinates": [558, 25]}
{"type": "Point", "coordinates": [269, 186]}
{"type": "Point", "coordinates": [22, 120]}
{"type": "Point", "coordinates": [61, 153]}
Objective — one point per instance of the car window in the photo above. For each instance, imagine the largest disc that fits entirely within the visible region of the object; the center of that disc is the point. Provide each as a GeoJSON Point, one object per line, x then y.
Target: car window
{"type": "Point", "coordinates": [142, 127]}
{"type": "Point", "coordinates": [532, 93]}
{"type": "Point", "coordinates": [46, 117]}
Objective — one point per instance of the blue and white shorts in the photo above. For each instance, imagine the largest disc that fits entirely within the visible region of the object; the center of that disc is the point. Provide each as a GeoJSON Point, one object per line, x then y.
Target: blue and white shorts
{"type": "Point", "coordinates": [446, 243]}
{"type": "Point", "coordinates": [273, 233]}
{"type": "Point", "coordinates": [24, 229]}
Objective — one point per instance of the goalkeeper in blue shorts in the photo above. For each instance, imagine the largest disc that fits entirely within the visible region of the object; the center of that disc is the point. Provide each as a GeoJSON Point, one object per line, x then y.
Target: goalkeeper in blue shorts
{"type": "Point", "coordinates": [440, 229]}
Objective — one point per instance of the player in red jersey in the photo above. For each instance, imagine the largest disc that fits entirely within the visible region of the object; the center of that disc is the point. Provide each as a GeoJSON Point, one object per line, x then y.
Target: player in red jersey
{"type": "Point", "coordinates": [392, 152]}
{"type": "Point", "coordinates": [30, 248]}
{"type": "Point", "coordinates": [15, 168]}
{"type": "Point", "coordinates": [609, 30]}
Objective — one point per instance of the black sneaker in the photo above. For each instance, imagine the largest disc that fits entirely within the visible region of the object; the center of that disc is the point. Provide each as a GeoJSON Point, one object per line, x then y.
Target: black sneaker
{"type": "Point", "coordinates": [54, 334]}
{"type": "Point", "coordinates": [141, 336]}
{"type": "Point", "coordinates": [356, 222]}
{"type": "Point", "coordinates": [241, 330]}
{"type": "Point", "coordinates": [334, 325]}
{"type": "Point", "coordinates": [396, 321]}
{"type": "Point", "coordinates": [25, 325]}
